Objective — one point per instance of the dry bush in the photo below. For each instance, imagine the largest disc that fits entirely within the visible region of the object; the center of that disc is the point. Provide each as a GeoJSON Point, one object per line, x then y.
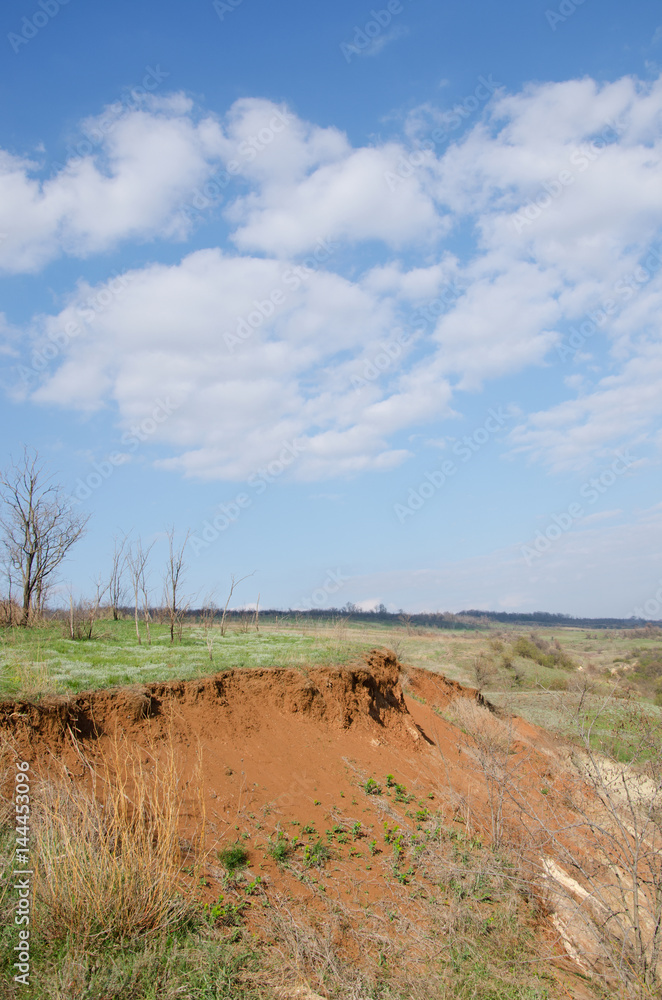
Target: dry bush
{"type": "Point", "coordinates": [10, 613]}
{"type": "Point", "coordinates": [341, 955]}
{"type": "Point", "coordinates": [597, 861]}
{"type": "Point", "coordinates": [605, 881]}
{"type": "Point", "coordinates": [488, 744]}
{"type": "Point", "coordinates": [109, 859]}
{"type": "Point", "coordinates": [484, 671]}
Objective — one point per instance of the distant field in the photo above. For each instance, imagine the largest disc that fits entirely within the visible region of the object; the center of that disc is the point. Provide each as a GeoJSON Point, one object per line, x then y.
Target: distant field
{"type": "Point", "coordinates": [543, 683]}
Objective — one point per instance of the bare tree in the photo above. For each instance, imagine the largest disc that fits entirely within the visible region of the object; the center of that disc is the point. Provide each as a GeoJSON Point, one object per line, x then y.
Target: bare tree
{"type": "Point", "coordinates": [137, 562]}
{"type": "Point", "coordinates": [116, 588]}
{"type": "Point", "coordinates": [84, 613]}
{"type": "Point", "coordinates": [208, 619]}
{"type": "Point", "coordinates": [406, 621]}
{"type": "Point", "coordinates": [172, 598]}
{"type": "Point", "coordinates": [233, 585]}
{"type": "Point", "coordinates": [39, 526]}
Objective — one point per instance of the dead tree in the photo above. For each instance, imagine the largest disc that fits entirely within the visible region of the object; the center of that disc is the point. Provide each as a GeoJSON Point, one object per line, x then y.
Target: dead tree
{"type": "Point", "coordinates": [208, 620]}
{"type": "Point", "coordinates": [83, 614]}
{"type": "Point", "coordinates": [233, 585]}
{"type": "Point", "coordinates": [137, 562]}
{"type": "Point", "coordinates": [116, 588]}
{"type": "Point", "coordinates": [39, 525]}
{"type": "Point", "coordinates": [172, 598]}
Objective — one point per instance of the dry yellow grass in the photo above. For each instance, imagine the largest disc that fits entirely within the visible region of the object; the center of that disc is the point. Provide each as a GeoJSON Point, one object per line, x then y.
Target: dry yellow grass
{"type": "Point", "coordinates": [110, 858]}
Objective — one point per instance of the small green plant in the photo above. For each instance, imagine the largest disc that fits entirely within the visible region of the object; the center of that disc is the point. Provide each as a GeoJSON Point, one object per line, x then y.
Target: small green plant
{"type": "Point", "coordinates": [316, 855]}
{"type": "Point", "coordinates": [280, 848]}
{"type": "Point", "coordinates": [390, 781]}
{"type": "Point", "coordinates": [228, 914]}
{"type": "Point", "coordinates": [402, 877]}
{"type": "Point", "coordinates": [373, 847]}
{"type": "Point", "coordinates": [401, 794]}
{"type": "Point", "coordinates": [389, 832]}
{"type": "Point", "coordinates": [233, 856]}
{"type": "Point", "coordinates": [398, 847]}
{"type": "Point", "coordinates": [308, 828]}
{"type": "Point", "coordinates": [356, 830]}
{"type": "Point", "coordinates": [372, 788]}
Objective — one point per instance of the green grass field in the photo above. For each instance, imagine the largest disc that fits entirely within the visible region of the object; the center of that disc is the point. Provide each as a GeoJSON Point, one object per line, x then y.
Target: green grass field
{"type": "Point", "coordinates": [544, 684]}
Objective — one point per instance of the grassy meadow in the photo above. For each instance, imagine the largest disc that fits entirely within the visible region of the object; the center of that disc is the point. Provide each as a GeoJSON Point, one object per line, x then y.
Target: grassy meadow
{"type": "Point", "coordinates": [113, 918]}
{"type": "Point", "coordinates": [542, 674]}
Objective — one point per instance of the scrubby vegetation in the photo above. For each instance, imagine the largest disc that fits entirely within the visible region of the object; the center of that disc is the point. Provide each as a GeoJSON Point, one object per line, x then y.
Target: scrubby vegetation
{"type": "Point", "coordinates": [121, 905]}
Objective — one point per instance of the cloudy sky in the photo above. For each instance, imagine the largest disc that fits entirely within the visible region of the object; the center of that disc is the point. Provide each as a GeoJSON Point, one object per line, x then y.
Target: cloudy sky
{"type": "Point", "coordinates": [366, 299]}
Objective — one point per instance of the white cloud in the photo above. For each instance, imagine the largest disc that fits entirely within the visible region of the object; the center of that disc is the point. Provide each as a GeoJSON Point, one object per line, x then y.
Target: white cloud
{"type": "Point", "coordinates": [130, 187]}
{"type": "Point", "coordinates": [348, 199]}
{"type": "Point", "coordinates": [172, 334]}
{"type": "Point", "coordinates": [618, 412]}
{"type": "Point", "coordinates": [555, 197]}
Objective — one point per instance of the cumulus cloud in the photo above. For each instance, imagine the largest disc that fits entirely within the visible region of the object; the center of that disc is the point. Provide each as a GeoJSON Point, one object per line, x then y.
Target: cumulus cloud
{"type": "Point", "coordinates": [253, 351]}
{"type": "Point", "coordinates": [553, 202]}
{"type": "Point", "coordinates": [128, 187]}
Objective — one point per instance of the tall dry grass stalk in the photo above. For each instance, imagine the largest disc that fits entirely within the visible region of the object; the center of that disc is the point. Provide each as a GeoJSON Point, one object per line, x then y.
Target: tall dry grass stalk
{"type": "Point", "coordinates": [33, 679]}
{"type": "Point", "coordinates": [109, 858]}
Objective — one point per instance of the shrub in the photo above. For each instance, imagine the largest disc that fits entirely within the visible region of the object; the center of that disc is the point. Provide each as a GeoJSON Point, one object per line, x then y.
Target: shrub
{"type": "Point", "coordinates": [536, 649]}
{"type": "Point", "coordinates": [316, 855]}
{"type": "Point", "coordinates": [233, 857]}
{"type": "Point", "coordinates": [280, 848]}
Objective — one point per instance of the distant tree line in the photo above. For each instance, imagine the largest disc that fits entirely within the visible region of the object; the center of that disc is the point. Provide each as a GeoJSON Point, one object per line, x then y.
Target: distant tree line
{"type": "Point", "coordinates": [39, 524]}
{"type": "Point", "coordinates": [545, 618]}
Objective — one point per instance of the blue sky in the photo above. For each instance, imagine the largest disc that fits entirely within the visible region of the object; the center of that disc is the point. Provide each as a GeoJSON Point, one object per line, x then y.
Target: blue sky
{"type": "Point", "coordinates": [366, 298]}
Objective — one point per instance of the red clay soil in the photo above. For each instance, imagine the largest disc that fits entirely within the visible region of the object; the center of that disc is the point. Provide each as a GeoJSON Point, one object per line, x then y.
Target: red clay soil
{"type": "Point", "coordinates": [282, 749]}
